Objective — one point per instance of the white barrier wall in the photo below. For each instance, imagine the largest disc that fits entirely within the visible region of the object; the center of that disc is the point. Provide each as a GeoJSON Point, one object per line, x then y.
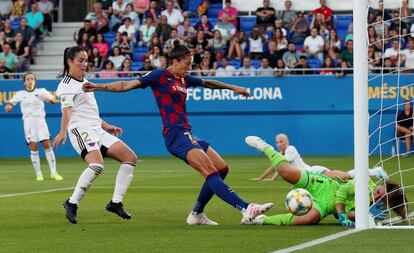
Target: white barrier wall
{"type": "Point", "coordinates": [307, 5]}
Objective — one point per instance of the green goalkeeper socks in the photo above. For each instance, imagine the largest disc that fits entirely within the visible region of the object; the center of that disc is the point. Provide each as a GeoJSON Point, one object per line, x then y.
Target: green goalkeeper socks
{"type": "Point", "coordinates": [275, 157]}
{"type": "Point", "coordinates": [280, 219]}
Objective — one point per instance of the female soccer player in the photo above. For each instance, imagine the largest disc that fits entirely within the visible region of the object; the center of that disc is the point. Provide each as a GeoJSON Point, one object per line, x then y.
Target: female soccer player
{"type": "Point", "coordinates": [35, 128]}
{"type": "Point", "coordinates": [170, 90]}
{"type": "Point", "coordinates": [91, 137]}
{"type": "Point", "coordinates": [294, 158]}
{"type": "Point", "coordinates": [329, 196]}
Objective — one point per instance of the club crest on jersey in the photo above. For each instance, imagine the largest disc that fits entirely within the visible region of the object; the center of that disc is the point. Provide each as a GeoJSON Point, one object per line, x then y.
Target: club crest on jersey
{"type": "Point", "coordinates": [92, 144]}
{"type": "Point", "coordinates": [176, 88]}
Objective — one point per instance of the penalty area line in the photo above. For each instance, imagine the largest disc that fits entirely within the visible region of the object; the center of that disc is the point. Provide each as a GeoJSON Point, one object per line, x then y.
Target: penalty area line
{"type": "Point", "coordinates": [318, 241]}
{"type": "Point", "coordinates": [36, 192]}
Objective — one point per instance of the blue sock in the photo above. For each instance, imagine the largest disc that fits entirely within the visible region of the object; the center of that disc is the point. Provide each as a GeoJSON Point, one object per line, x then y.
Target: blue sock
{"type": "Point", "coordinates": [223, 191]}
{"type": "Point", "coordinates": [206, 193]}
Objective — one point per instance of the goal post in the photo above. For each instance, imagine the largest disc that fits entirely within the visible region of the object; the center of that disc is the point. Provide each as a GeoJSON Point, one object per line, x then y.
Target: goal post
{"type": "Point", "coordinates": [361, 116]}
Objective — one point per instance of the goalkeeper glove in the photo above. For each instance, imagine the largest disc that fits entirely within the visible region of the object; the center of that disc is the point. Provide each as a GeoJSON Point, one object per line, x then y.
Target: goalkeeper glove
{"type": "Point", "coordinates": [377, 211]}
{"type": "Point", "coordinates": [344, 221]}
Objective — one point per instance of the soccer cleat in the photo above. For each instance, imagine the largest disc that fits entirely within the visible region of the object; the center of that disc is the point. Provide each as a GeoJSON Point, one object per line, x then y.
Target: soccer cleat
{"type": "Point", "coordinates": [256, 142]}
{"type": "Point", "coordinates": [256, 221]}
{"type": "Point", "coordinates": [380, 173]}
{"type": "Point", "coordinates": [56, 177]}
{"type": "Point", "coordinates": [199, 219]}
{"type": "Point", "coordinates": [71, 211]}
{"type": "Point", "coordinates": [39, 178]}
{"type": "Point", "coordinates": [117, 208]}
{"type": "Point", "coordinates": [254, 210]}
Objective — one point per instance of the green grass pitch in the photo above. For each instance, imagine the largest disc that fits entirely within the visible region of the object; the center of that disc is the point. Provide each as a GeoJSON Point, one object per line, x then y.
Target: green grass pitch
{"type": "Point", "coordinates": [160, 198]}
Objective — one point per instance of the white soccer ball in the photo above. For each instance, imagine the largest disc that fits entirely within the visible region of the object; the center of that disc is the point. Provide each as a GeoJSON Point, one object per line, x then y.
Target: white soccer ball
{"type": "Point", "coordinates": [298, 201]}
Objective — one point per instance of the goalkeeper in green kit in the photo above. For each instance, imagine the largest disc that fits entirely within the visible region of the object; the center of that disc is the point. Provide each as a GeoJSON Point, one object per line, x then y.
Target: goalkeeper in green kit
{"type": "Point", "coordinates": [329, 196]}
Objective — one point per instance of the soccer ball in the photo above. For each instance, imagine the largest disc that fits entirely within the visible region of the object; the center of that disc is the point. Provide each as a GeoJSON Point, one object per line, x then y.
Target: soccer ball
{"type": "Point", "coordinates": [298, 201]}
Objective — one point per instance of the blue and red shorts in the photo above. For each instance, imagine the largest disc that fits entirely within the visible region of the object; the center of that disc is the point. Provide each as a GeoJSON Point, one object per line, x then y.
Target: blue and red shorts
{"type": "Point", "coordinates": [180, 141]}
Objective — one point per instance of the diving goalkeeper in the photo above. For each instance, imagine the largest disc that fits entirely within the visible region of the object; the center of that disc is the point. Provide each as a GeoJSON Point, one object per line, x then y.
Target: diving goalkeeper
{"type": "Point", "coordinates": [329, 196]}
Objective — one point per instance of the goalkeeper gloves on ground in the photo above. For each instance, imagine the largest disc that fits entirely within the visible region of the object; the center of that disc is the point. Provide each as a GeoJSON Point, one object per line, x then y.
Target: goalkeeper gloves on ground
{"type": "Point", "coordinates": [344, 221]}
{"type": "Point", "coordinates": [377, 211]}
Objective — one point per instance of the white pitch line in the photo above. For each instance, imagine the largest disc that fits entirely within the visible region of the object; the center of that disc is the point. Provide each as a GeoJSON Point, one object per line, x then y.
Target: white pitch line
{"type": "Point", "coordinates": [318, 241]}
{"type": "Point", "coordinates": [36, 192]}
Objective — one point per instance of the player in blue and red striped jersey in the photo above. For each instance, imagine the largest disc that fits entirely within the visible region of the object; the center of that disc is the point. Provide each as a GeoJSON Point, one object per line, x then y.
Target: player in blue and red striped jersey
{"type": "Point", "coordinates": [170, 90]}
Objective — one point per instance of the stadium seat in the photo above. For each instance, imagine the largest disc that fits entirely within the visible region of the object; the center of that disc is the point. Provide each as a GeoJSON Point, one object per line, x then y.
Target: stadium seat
{"type": "Point", "coordinates": [255, 63]}
{"type": "Point", "coordinates": [15, 24]}
{"type": "Point", "coordinates": [341, 25]}
{"type": "Point", "coordinates": [314, 62]}
{"type": "Point", "coordinates": [213, 21]}
{"type": "Point", "coordinates": [138, 56]}
{"type": "Point", "coordinates": [213, 10]}
{"type": "Point", "coordinates": [235, 63]}
{"type": "Point", "coordinates": [135, 66]}
{"type": "Point", "coordinates": [194, 21]}
{"type": "Point", "coordinates": [109, 37]}
{"type": "Point", "coordinates": [193, 5]}
{"type": "Point", "coordinates": [247, 23]}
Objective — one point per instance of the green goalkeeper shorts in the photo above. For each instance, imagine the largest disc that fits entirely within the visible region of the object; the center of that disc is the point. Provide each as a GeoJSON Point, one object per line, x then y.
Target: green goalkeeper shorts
{"type": "Point", "coordinates": [322, 189]}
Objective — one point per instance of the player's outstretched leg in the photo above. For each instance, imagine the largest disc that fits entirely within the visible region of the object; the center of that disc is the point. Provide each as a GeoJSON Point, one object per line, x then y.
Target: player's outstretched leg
{"type": "Point", "coordinates": [71, 211]}
{"type": "Point", "coordinates": [199, 219]}
{"type": "Point", "coordinates": [118, 209]}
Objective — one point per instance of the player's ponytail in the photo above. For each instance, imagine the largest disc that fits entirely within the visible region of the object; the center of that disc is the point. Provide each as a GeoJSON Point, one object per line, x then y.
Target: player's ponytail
{"type": "Point", "coordinates": [179, 51]}
{"type": "Point", "coordinates": [70, 53]}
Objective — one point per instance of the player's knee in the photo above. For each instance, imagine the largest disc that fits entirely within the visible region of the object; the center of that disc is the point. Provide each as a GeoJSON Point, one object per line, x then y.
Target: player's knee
{"type": "Point", "coordinates": [97, 167]}
{"type": "Point", "coordinates": [284, 170]}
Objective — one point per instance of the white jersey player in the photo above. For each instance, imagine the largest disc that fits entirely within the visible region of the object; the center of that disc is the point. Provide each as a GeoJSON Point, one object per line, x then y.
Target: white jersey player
{"type": "Point", "coordinates": [35, 128]}
{"type": "Point", "coordinates": [294, 158]}
{"type": "Point", "coordinates": [91, 137]}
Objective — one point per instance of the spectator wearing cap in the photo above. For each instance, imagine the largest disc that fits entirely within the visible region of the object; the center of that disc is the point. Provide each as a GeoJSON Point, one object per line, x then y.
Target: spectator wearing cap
{"type": "Point", "coordinates": [287, 16]}
{"type": "Point", "coordinates": [128, 27]}
{"type": "Point", "coordinates": [265, 16]}
{"type": "Point", "coordinates": [231, 12]}
{"type": "Point", "coordinates": [174, 16]}
{"type": "Point", "coordinates": [146, 31]}
{"type": "Point", "coordinates": [299, 28]}
{"type": "Point", "coordinates": [325, 11]}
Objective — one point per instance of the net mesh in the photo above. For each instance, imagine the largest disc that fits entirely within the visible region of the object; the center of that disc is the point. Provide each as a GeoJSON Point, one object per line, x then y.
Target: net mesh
{"type": "Point", "coordinates": [390, 45]}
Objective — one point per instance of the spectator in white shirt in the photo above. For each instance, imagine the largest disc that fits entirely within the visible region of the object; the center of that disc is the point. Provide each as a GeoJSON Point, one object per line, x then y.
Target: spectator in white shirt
{"type": "Point", "coordinates": [174, 16]}
{"type": "Point", "coordinates": [314, 44]}
{"type": "Point", "coordinates": [247, 69]}
{"type": "Point", "coordinates": [394, 53]}
{"type": "Point", "coordinates": [225, 69]}
{"type": "Point", "coordinates": [128, 27]}
{"type": "Point", "coordinates": [265, 69]}
{"type": "Point", "coordinates": [409, 55]}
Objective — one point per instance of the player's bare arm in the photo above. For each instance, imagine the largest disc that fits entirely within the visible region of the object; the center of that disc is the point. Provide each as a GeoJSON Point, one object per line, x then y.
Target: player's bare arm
{"type": "Point", "coordinates": [120, 86]}
{"type": "Point", "coordinates": [9, 107]}
{"type": "Point", "coordinates": [117, 131]}
{"type": "Point", "coordinates": [214, 84]}
{"type": "Point", "coordinates": [62, 135]}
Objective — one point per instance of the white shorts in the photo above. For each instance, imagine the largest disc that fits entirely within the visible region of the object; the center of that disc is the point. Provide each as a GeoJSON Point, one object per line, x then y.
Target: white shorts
{"type": "Point", "coordinates": [85, 140]}
{"type": "Point", "coordinates": [317, 169]}
{"type": "Point", "coordinates": [35, 129]}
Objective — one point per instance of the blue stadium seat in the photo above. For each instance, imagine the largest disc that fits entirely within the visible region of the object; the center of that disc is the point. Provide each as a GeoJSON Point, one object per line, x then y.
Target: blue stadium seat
{"type": "Point", "coordinates": [138, 56]}
{"type": "Point", "coordinates": [193, 5]}
{"type": "Point", "coordinates": [247, 23]}
{"type": "Point", "coordinates": [109, 37]}
{"type": "Point", "coordinates": [314, 63]}
{"type": "Point", "coordinates": [141, 49]}
{"type": "Point", "coordinates": [235, 63]}
{"type": "Point", "coordinates": [15, 24]}
{"type": "Point", "coordinates": [342, 21]}
{"type": "Point", "coordinates": [255, 63]}
{"type": "Point", "coordinates": [213, 21]}
{"type": "Point", "coordinates": [213, 10]}
{"type": "Point", "coordinates": [194, 21]}
{"type": "Point", "coordinates": [135, 66]}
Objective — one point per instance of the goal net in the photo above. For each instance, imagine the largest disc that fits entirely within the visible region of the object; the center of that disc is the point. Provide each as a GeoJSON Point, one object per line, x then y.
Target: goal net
{"type": "Point", "coordinates": [389, 66]}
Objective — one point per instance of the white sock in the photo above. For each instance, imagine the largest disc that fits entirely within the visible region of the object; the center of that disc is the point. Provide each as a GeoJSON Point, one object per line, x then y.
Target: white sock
{"type": "Point", "coordinates": [50, 156]}
{"type": "Point", "coordinates": [85, 181]}
{"type": "Point", "coordinates": [371, 173]}
{"type": "Point", "coordinates": [34, 156]}
{"type": "Point", "coordinates": [123, 180]}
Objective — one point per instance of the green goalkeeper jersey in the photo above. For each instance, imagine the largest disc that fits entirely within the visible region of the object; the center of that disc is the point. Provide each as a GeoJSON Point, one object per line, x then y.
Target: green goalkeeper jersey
{"type": "Point", "coordinates": [346, 194]}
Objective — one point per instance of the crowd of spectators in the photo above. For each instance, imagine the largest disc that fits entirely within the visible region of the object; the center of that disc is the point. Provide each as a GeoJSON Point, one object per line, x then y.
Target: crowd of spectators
{"type": "Point", "coordinates": [282, 42]}
{"type": "Point", "coordinates": [23, 23]}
